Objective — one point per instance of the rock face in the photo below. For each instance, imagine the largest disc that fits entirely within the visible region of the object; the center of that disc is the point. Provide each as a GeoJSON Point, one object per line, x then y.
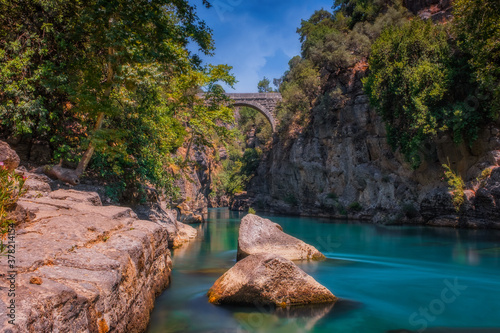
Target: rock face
{"type": "Point", "coordinates": [258, 235]}
{"type": "Point", "coordinates": [83, 267]}
{"type": "Point", "coordinates": [187, 214]}
{"type": "Point", "coordinates": [194, 185]}
{"type": "Point", "coordinates": [178, 232]}
{"type": "Point", "coordinates": [340, 165]}
{"type": "Point", "coordinates": [437, 10]}
{"type": "Point", "coordinates": [8, 156]}
{"type": "Point", "coordinates": [481, 208]}
{"type": "Point", "coordinates": [240, 202]}
{"type": "Point", "coordinates": [268, 279]}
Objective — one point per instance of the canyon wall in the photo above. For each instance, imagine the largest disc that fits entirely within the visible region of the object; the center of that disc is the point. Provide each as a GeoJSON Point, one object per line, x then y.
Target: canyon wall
{"type": "Point", "coordinates": [340, 165]}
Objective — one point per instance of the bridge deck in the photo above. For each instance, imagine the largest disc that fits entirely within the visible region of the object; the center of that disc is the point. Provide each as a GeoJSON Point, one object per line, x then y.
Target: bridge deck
{"type": "Point", "coordinates": [255, 95]}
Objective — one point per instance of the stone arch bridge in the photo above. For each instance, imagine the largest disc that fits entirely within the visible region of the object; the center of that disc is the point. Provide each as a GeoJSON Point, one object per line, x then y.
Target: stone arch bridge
{"type": "Point", "coordinates": [265, 103]}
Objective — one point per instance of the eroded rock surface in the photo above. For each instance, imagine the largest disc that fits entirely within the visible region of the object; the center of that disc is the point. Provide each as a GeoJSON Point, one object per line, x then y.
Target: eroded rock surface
{"type": "Point", "coordinates": [268, 279]}
{"type": "Point", "coordinates": [188, 215]}
{"type": "Point", "coordinates": [83, 267]}
{"type": "Point", "coordinates": [258, 235]}
{"type": "Point", "coordinates": [8, 156]}
{"type": "Point", "coordinates": [178, 232]}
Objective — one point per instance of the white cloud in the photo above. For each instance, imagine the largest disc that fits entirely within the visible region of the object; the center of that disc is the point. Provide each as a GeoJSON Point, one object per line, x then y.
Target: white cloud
{"type": "Point", "coordinates": [253, 38]}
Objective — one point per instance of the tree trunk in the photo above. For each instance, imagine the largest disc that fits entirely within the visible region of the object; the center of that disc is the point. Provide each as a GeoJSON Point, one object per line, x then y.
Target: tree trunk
{"type": "Point", "coordinates": [84, 162]}
{"type": "Point", "coordinates": [90, 150]}
{"type": "Point", "coordinates": [186, 157]}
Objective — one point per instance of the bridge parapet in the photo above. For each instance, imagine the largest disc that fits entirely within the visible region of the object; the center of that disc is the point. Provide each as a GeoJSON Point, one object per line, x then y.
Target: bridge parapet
{"type": "Point", "coordinates": [273, 96]}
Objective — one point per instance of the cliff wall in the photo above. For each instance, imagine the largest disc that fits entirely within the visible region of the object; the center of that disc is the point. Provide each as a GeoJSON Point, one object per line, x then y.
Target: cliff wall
{"type": "Point", "coordinates": [340, 165]}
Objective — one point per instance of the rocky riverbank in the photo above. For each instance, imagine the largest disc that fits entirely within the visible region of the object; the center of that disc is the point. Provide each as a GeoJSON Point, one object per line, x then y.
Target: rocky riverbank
{"type": "Point", "coordinates": [78, 266]}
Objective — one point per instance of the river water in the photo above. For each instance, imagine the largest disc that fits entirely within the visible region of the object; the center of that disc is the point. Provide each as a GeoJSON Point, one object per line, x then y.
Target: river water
{"type": "Point", "coordinates": [388, 278]}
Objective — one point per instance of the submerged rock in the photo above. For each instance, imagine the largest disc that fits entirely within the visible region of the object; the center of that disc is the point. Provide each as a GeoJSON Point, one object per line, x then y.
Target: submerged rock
{"type": "Point", "coordinates": [264, 278]}
{"type": "Point", "coordinates": [258, 235]}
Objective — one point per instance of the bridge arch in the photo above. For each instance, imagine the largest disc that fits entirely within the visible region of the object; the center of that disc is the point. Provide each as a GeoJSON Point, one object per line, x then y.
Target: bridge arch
{"type": "Point", "coordinates": [265, 103]}
{"type": "Point", "coordinates": [257, 106]}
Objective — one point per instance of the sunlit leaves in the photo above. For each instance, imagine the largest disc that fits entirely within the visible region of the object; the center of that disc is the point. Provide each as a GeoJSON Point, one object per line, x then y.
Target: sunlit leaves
{"type": "Point", "coordinates": [477, 23]}
{"type": "Point", "coordinates": [66, 63]}
{"type": "Point", "coordinates": [419, 84]}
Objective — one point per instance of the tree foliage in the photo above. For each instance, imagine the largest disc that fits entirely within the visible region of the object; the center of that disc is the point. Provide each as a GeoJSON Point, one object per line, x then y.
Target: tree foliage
{"type": "Point", "coordinates": [264, 85]}
{"type": "Point", "coordinates": [338, 40]}
{"type": "Point", "coordinates": [251, 119]}
{"type": "Point", "coordinates": [242, 159]}
{"type": "Point", "coordinates": [421, 84]}
{"type": "Point", "coordinates": [111, 76]}
{"type": "Point", "coordinates": [477, 23]}
{"type": "Point", "coordinates": [332, 42]}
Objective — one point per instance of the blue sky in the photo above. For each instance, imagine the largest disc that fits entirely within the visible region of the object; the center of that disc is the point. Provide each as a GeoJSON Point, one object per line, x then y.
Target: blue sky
{"type": "Point", "coordinates": [256, 37]}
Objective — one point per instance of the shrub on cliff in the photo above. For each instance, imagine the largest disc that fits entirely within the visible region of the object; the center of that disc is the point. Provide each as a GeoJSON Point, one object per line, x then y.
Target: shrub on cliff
{"type": "Point", "coordinates": [338, 40]}
{"type": "Point", "coordinates": [478, 31]}
{"type": "Point", "coordinates": [11, 189]}
{"type": "Point", "coordinates": [331, 43]}
{"type": "Point", "coordinates": [420, 83]}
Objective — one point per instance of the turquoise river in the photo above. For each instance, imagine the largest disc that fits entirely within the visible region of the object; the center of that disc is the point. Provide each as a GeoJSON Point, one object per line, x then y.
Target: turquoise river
{"type": "Point", "coordinates": [396, 279]}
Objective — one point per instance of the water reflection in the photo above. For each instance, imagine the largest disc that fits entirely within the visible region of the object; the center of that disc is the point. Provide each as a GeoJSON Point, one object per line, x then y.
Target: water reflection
{"type": "Point", "coordinates": [292, 319]}
{"type": "Point", "coordinates": [382, 275]}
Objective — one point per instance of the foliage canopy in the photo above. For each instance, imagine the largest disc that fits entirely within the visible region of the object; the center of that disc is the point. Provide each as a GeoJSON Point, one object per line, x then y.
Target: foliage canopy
{"type": "Point", "coordinates": [111, 76]}
{"type": "Point", "coordinates": [424, 83]}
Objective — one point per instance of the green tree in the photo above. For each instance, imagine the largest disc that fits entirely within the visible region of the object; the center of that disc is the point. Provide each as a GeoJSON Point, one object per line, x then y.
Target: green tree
{"type": "Point", "coordinates": [477, 23]}
{"type": "Point", "coordinates": [332, 43]}
{"type": "Point", "coordinates": [363, 10]}
{"type": "Point", "coordinates": [113, 77]}
{"type": "Point", "coordinates": [336, 41]}
{"type": "Point", "coordinates": [419, 82]}
{"type": "Point", "coordinates": [249, 119]}
{"type": "Point", "coordinates": [264, 85]}
{"type": "Point", "coordinates": [35, 50]}
{"type": "Point", "coordinates": [131, 43]}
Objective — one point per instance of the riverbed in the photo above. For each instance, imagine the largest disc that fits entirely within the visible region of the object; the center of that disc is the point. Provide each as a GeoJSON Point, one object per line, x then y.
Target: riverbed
{"type": "Point", "coordinates": [388, 279]}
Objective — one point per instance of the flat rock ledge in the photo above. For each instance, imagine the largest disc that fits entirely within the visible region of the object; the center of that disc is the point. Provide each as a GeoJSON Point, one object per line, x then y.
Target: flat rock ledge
{"type": "Point", "coordinates": [83, 267]}
{"type": "Point", "coordinates": [268, 279]}
{"type": "Point", "coordinates": [258, 235]}
{"type": "Point", "coordinates": [178, 232]}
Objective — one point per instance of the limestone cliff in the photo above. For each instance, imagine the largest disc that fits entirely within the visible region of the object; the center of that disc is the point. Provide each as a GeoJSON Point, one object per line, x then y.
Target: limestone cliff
{"type": "Point", "coordinates": [340, 165]}
{"type": "Point", "coordinates": [194, 186]}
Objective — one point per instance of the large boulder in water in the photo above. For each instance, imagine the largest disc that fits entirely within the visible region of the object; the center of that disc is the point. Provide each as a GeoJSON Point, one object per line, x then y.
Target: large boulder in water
{"type": "Point", "coordinates": [263, 279]}
{"type": "Point", "coordinates": [258, 235]}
